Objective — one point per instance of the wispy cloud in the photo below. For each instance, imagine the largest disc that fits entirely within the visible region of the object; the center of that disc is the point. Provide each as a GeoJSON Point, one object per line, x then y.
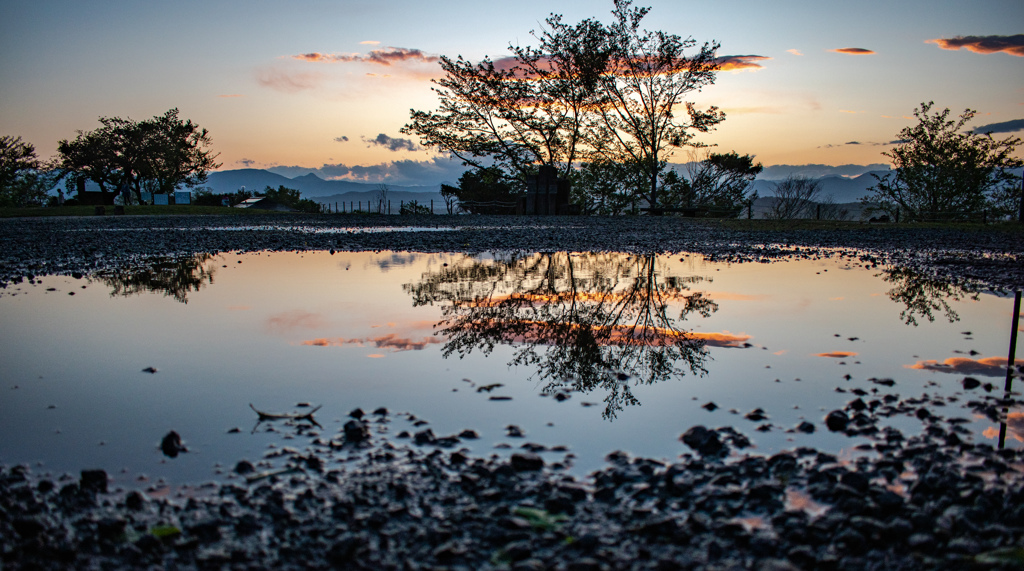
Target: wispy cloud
{"type": "Point", "coordinates": [739, 63]}
{"type": "Point", "coordinates": [370, 43]}
{"type": "Point", "coordinates": [295, 319]}
{"type": "Point", "coordinates": [1004, 127]}
{"type": "Point", "coordinates": [795, 52]}
{"type": "Point", "coordinates": [1013, 45]}
{"type": "Point", "coordinates": [392, 143]}
{"type": "Point", "coordinates": [246, 162]}
{"type": "Point", "coordinates": [989, 366]}
{"type": "Point", "coordinates": [853, 51]}
{"type": "Point", "coordinates": [837, 354]}
{"type": "Point", "coordinates": [341, 139]}
{"type": "Point", "coordinates": [288, 81]}
{"type": "Point", "coordinates": [389, 341]}
{"type": "Point", "coordinates": [383, 56]}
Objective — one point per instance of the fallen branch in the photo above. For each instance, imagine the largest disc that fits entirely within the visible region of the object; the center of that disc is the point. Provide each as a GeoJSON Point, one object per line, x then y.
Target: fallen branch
{"type": "Point", "coordinates": [286, 415]}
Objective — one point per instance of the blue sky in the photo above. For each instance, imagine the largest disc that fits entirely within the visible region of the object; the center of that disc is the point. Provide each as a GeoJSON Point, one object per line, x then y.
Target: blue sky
{"type": "Point", "coordinates": [231, 67]}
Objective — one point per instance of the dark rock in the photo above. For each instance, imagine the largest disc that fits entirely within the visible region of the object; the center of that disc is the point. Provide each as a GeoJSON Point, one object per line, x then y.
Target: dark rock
{"type": "Point", "coordinates": [424, 437]}
{"type": "Point", "coordinates": [357, 414]}
{"type": "Point", "coordinates": [244, 467]}
{"type": "Point", "coordinates": [970, 383]}
{"type": "Point", "coordinates": [469, 434]}
{"type": "Point", "coordinates": [837, 421]}
{"type": "Point", "coordinates": [94, 481]}
{"type": "Point", "coordinates": [356, 431]}
{"type": "Point", "coordinates": [805, 427]}
{"type": "Point", "coordinates": [526, 462]}
{"type": "Point", "coordinates": [171, 445]}
{"type": "Point", "coordinates": [704, 441]}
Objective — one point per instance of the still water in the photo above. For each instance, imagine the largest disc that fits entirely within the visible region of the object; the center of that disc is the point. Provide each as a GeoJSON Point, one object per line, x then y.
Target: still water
{"type": "Point", "coordinates": [593, 352]}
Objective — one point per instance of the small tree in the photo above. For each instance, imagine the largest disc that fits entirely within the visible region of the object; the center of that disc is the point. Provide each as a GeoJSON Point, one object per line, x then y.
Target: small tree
{"type": "Point", "coordinates": [794, 198]}
{"type": "Point", "coordinates": [292, 198]}
{"type": "Point", "coordinates": [23, 181]}
{"type": "Point", "coordinates": [485, 191]}
{"type": "Point", "coordinates": [155, 155]}
{"type": "Point", "coordinates": [944, 171]}
{"type": "Point", "coordinates": [450, 195]}
{"type": "Point", "coordinates": [721, 181]}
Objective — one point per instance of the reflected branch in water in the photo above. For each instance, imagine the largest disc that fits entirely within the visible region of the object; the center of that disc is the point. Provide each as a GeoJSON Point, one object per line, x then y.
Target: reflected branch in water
{"type": "Point", "coordinates": [174, 277]}
{"type": "Point", "coordinates": [923, 295]}
{"type": "Point", "coordinates": [582, 321]}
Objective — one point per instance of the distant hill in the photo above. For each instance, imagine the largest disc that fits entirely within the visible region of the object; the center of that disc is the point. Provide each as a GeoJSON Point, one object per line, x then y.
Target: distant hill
{"type": "Point", "coordinates": [841, 189]}
{"type": "Point", "coordinates": [310, 185]}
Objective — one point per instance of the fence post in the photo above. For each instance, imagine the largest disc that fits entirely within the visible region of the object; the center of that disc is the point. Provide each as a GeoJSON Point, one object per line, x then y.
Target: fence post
{"type": "Point", "coordinates": [897, 214]}
{"type": "Point", "coordinates": [818, 215]}
{"type": "Point", "coordinates": [389, 207]}
{"type": "Point", "coordinates": [431, 205]}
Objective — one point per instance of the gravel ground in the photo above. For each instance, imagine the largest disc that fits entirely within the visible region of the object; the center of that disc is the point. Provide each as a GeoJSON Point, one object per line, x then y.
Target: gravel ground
{"type": "Point", "coordinates": [68, 245]}
{"type": "Point", "coordinates": [365, 499]}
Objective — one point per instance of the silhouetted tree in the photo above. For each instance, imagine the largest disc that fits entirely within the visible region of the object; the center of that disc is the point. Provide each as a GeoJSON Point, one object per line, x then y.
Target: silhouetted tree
{"type": "Point", "coordinates": [291, 198]}
{"type": "Point", "coordinates": [24, 180]}
{"type": "Point", "coordinates": [156, 155]}
{"type": "Point", "coordinates": [479, 190]}
{"type": "Point", "coordinates": [588, 93]}
{"type": "Point", "coordinates": [719, 181]}
{"type": "Point", "coordinates": [173, 277]}
{"type": "Point", "coordinates": [794, 198]}
{"type": "Point", "coordinates": [922, 295]}
{"type": "Point", "coordinates": [583, 321]}
{"type": "Point", "coordinates": [944, 171]}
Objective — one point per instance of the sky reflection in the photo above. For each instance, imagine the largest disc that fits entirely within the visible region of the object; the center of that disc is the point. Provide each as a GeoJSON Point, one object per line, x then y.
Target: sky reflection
{"type": "Point", "coordinates": [636, 345]}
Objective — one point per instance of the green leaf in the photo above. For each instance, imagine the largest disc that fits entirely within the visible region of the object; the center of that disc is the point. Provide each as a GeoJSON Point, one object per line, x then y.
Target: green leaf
{"type": "Point", "coordinates": [540, 519]}
{"type": "Point", "coordinates": [1004, 555]}
{"type": "Point", "coordinates": [164, 531]}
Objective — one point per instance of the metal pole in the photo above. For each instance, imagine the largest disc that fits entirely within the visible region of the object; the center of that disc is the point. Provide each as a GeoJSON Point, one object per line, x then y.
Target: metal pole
{"type": "Point", "coordinates": [1010, 363]}
{"type": "Point", "coordinates": [1020, 215]}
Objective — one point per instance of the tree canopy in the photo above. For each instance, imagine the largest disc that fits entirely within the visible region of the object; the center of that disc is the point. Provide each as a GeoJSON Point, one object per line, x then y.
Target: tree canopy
{"type": "Point", "coordinates": [606, 95]}
{"type": "Point", "coordinates": [942, 170]}
{"type": "Point", "coordinates": [23, 177]}
{"type": "Point", "coordinates": [156, 155]}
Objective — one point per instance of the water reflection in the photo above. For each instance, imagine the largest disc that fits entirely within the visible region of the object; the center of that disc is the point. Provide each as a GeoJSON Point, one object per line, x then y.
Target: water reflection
{"type": "Point", "coordinates": [924, 295]}
{"type": "Point", "coordinates": [173, 277]}
{"type": "Point", "coordinates": [582, 321]}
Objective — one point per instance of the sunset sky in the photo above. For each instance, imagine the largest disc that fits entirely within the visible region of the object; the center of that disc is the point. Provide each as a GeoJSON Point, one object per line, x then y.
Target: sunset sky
{"type": "Point", "coordinates": [828, 82]}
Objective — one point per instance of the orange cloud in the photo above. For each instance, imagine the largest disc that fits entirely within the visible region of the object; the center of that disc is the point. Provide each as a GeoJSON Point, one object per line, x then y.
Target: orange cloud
{"type": "Point", "coordinates": [724, 63]}
{"type": "Point", "coordinates": [989, 366]}
{"type": "Point", "coordinates": [370, 43]}
{"type": "Point", "coordinates": [1013, 45]}
{"type": "Point", "coordinates": [837, 354]}
{"type": "Point", "coordinates": [389, 341]}
{"type": "Point", "coordinates": [384, 56]}
{"type": "Point", "coordinates": [295, 319]}
{"type": "Point", "coordinates": [795, 52]}
{"type": "Point", "coordinates": [619, 335]}
{"type": "Point", "coordinates": [1014, 427]}
{"type": "Point", "coordinates": [853, 51]}
{"type": "Point", "coordinates": [739, 63]}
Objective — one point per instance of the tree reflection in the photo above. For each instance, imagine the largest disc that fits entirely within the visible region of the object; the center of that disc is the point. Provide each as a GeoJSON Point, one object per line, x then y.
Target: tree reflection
{"type": "Point", "coordinates": [924, 295]}
{"type": "Point", "coordinates": [584, 321]}
{"type": "Point", "coordinates": [174, 277]}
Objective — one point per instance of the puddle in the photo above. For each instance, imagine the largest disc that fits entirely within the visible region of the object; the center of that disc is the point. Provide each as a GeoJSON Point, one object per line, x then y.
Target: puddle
{"type": "Point", "coordinates": [584, 353]}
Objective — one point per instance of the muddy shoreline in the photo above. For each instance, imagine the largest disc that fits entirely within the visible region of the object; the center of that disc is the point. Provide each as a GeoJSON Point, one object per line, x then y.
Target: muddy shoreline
{"type": "Point", "coordinates": [366, 498]}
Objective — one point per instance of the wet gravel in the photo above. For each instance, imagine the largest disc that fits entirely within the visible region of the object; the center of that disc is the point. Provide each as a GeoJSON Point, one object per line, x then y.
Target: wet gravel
{"type": "Point", "coordinates": [364, 498]}
{"type": "Point", "coordinates": [39, 246]}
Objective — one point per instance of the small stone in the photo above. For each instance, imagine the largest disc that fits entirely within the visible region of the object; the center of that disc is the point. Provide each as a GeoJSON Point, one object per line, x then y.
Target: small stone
{"type": "Point", "coordinates": [805, 427]}
{"type": "Point", "coordinates": [710, 406]}
{"type": "Point", "coordinates": [970, 383]}
{"type": "Point", "coordinates": [837, 420]}
{"type": "Point", "coordinates": [244, 467]}
{"type": "Point", "coordinates": [526, 461]}
{"type": "Point", "coordinates": [94, 480]}
{"type": "Point", "coordinates": [704, 441]}
{"type": "Point", "coordinates": [356, 431]}
{"type": "Point", "coordinates": [171, 445]}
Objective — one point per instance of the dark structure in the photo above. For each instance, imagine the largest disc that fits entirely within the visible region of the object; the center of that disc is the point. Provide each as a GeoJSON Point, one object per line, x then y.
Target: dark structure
{"type": "Point", "coordinates": [546, 194]}
{"type": "Point", "coordinates": [93, 198]}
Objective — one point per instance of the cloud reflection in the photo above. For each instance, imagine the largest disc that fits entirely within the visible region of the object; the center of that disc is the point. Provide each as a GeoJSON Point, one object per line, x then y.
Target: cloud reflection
{"type": "Point", "coordinates": [989, 366]}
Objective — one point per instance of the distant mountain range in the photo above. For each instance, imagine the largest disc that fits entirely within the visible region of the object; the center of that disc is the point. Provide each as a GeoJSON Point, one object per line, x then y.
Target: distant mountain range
{"type": "Point", "coordinates": [311, 186]}
{"type": "Point", "coordinates": [841, 189]}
